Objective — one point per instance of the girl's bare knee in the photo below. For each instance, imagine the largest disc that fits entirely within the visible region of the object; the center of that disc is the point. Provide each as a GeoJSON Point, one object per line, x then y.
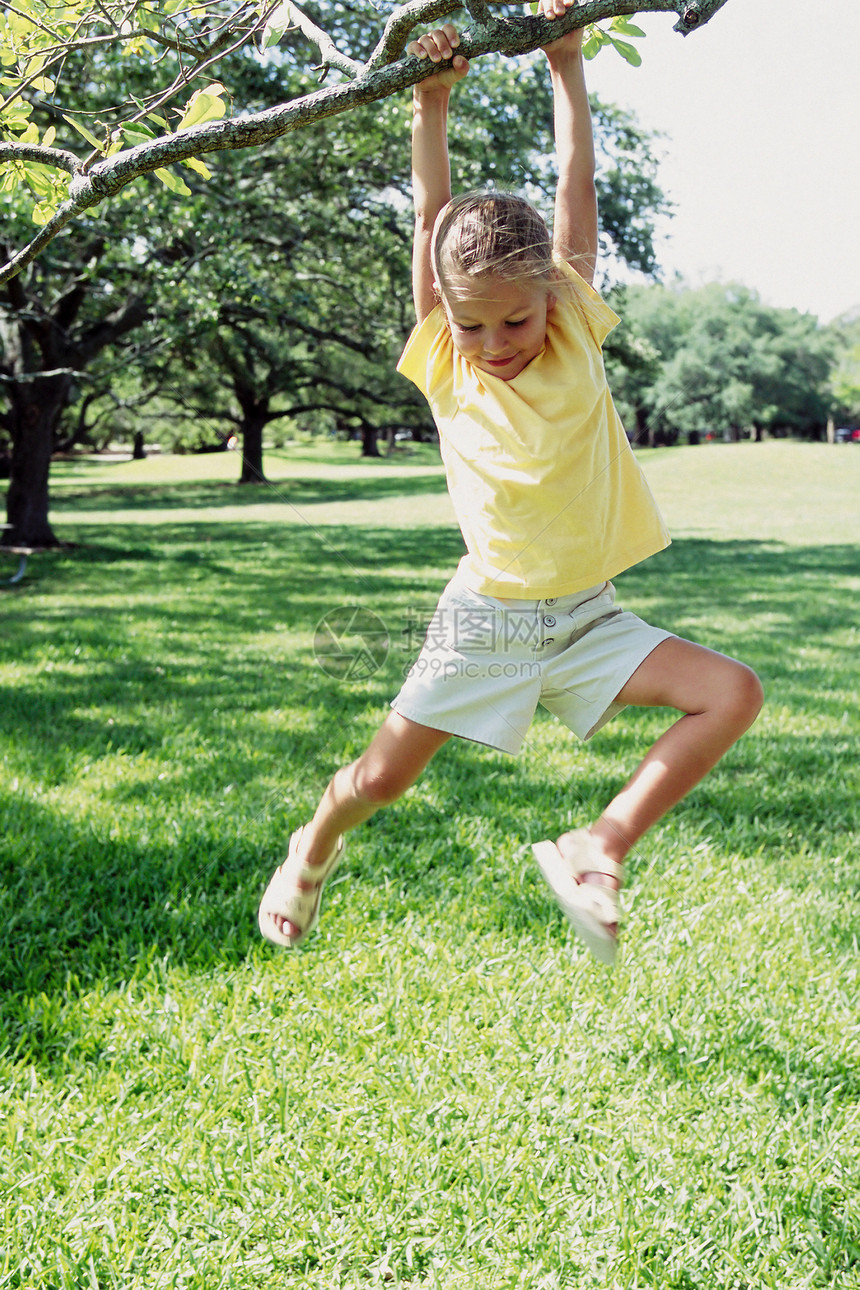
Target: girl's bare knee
{"type": "Point", "coordinates": [378, 782]}
{"type": "Point", "coordinates": [743, 699]}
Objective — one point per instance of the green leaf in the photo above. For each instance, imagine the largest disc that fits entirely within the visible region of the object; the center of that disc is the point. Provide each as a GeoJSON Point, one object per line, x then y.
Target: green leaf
{"type": "Point", "coordinates": [205, 105]}
{"type": "Point", "coordinates": [628, 52]}
{"type": "Point", "coordinates": [279, 22]}
{"type": "Point", "coordinates": [173, 182]}
{"type": "Point", "coordinates": [137, 133]}
{"type": "Point", "coordinates": [17, 116]}
{"type": "Point", "coordinates": [594, 41]}
{"type": "Point", "coordinates": [626, 27]}
{"type": "Point", "coordinates": [42, 212]}
{"type": "Point", "coordinates": [39, 186]}
{"type": "Point", "coordinates": [34, 64]}
{"type": "Point", "coordinates": [82, 130]}
{"type": "Point", "coordinates": [200, 167]}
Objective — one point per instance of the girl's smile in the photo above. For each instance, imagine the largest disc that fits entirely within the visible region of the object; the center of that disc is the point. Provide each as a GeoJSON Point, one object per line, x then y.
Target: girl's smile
{"type": "Point", "coordinates": [498, 325]}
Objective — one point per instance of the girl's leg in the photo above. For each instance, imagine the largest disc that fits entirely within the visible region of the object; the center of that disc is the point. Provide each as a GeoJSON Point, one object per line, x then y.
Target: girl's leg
{"type": "Point", "coordinates": [391, 763]}
{"type": "Point", "coordinates": [720, 699]}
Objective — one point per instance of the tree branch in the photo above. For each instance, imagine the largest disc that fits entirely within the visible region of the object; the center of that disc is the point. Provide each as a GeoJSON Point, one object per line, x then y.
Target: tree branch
{"type": "Point", "coordinates": [59, 158]}
{"type": "Point", "coordinates": [329, 52]}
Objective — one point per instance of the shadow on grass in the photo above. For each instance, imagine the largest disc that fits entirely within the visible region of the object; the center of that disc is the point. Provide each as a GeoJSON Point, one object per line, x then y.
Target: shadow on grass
{"type": "Point", "coordinates": [159, 678]}
{"type": "Point", "coordinates": [375, 486]}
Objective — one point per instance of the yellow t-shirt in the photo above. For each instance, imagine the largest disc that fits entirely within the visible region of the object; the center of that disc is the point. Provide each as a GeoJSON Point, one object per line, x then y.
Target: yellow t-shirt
{"type": "Point", "coordinates": [547, 492]}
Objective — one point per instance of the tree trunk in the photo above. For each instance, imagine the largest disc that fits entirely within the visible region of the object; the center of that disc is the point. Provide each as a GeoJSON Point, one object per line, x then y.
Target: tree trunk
{"type": "Point", "coordinates": [40, 356]}
{"type": "Point", "coordinates": [35, 409]}
{"type": "Point", "coordinates": [369, 446]}
{"type": "Point", "coordinates": [650, 432]}
{"type": "Point", "coordinates": [641, 428]}
{"type": "Point", "coordinates": [254, 423]}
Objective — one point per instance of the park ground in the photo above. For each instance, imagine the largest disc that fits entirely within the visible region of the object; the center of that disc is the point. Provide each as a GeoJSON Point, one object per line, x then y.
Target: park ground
{"type": "Point", "coordinates": [441, 1090]}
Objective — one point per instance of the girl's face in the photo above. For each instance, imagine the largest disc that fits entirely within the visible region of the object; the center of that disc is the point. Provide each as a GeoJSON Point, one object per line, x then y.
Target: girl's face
{"type": "Point", "coordinates": [498, 325]}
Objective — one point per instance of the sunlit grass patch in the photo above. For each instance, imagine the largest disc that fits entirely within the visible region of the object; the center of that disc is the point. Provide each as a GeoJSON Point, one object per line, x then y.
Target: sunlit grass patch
{"type": "Point", "coordinates": [441, 1090]}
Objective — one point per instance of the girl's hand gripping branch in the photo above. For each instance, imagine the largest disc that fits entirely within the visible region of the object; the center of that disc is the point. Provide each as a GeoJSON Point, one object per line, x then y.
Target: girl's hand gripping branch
{"type": "Point", "coordinates": [551, 9]}
{"type": "Point", "coordinates": [439, 46]}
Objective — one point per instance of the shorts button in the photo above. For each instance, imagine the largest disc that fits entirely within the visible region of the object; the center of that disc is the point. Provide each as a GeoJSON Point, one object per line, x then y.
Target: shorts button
{"type": "Point", "coordinates": [549, 621]}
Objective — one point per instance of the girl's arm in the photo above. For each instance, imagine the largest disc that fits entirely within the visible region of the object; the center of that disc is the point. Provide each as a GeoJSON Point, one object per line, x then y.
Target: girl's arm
{"type": "Point", "coordinates": [431, 173]}
{"type": "Point", "coordinates": [575, 222]}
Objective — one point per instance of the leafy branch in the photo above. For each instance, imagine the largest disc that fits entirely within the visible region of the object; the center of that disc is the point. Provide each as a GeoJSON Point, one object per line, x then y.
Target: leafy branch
{"type": "Point", "coordinates": [33, 41]}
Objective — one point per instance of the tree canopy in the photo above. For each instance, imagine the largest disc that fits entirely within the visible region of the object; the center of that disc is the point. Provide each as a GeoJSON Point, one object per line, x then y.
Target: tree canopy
{"type": "Point", "coordinates": [184, 113]}
{"type": "Point", "coordinates": [845, 375]}
{"type": "Point", "coordinates": [718, 362]}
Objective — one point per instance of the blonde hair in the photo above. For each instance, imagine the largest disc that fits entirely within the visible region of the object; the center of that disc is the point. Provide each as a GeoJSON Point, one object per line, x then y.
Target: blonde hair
{"type": "Point", "coordinates": [491, 233]}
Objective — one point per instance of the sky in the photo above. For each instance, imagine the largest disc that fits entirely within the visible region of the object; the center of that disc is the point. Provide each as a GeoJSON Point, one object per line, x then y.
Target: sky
{"type": "Point", "coordinates": [761, 113]}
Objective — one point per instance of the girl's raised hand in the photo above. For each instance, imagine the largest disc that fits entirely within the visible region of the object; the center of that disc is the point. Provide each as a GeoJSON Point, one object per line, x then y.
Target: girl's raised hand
{"type": "Point", "coordinates": [572, 42]}
{"type": "Point", "coordinates": [439, 46]}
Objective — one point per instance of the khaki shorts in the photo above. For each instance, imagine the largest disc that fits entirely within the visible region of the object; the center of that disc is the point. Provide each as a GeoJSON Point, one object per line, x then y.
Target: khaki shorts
{"type": "Point", "coordinates": [486, 664]}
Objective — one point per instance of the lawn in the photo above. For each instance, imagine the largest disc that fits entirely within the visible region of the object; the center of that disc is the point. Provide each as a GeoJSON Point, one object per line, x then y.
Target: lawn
{"type": "Point", "coordinates": [441, 1089]}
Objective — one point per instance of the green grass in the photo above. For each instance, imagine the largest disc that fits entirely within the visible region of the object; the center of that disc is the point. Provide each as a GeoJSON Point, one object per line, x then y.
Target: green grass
{"type": "Point", "coordinates": [441, 1089]}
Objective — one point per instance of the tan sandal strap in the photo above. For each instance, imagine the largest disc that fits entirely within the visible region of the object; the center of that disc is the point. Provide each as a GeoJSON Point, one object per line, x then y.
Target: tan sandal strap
{"type": "Point", "coordinates": [607, 868]}
{"type": "Point", "coordinates": [315, 873]}
{"type": "Point", "coordinates": [589, 859]}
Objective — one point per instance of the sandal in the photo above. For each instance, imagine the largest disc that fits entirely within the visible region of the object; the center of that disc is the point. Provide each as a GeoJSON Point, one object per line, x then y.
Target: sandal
{"type": "Point", "coordinates": [298, 905]}
{"type": "Point", "coordinates": [591, 908]}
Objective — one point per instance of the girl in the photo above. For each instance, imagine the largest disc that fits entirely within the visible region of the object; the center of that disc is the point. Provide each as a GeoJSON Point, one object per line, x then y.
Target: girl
{"type": "Point", "coordinates": [552, 505]}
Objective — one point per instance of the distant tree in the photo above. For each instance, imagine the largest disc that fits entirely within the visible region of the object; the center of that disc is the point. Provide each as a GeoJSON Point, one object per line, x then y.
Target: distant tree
{"type": "Point", "coordinates": [651, 329]}
{"type": "Point", "coordinates": [722, 362]}
{"type": "Point", "coordinates": [845, 371]}
{"type": "Point", "coordinates": [48, 336]}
